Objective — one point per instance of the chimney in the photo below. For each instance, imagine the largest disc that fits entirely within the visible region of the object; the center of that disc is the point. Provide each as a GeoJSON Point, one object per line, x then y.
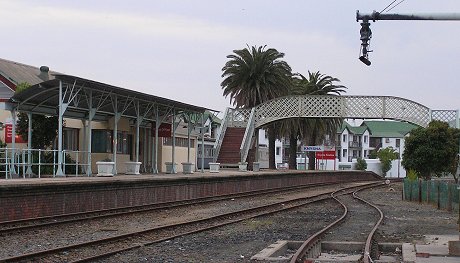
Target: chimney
{"type": "Point", "coordinates": [44, 73]}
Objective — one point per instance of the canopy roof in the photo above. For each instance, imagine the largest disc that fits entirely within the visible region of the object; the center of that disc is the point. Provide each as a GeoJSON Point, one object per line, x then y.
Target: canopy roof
{"type": "Point", "coordinates": [79, 93]}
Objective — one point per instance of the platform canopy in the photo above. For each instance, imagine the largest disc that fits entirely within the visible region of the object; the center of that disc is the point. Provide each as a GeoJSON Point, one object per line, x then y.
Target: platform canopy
{"type": "Point", "coordinates": [79, 95]}
{"type": "Point", "coordinates": [73, 97]}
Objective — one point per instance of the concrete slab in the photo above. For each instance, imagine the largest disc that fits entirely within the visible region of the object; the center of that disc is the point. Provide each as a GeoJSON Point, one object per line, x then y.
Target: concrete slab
{"type": "Point", "coordinates": [386, 259]}
{"type": "Point", "coordinates": [432, 250]}
{"type": "Point", "coordinates": [436, 259]}
{"type": "Point", "coordinates": [280, 251]}
{"type": "Point", "coordinates": [436, 249]}
{"type": "Point", "coordinates": [454, 248]}
{"type": "Point", "coordinates": [408, 253]}
{"type": "Point", "coordinates": [339, 257]}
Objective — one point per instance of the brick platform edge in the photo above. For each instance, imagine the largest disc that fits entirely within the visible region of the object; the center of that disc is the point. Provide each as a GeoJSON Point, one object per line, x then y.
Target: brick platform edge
{"type": "Point", "coordinates": [41, 199]}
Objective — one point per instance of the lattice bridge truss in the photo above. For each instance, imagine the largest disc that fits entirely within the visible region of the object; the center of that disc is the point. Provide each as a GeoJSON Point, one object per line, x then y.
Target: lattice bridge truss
{"type": "Point", "coordinates": [329, 106]}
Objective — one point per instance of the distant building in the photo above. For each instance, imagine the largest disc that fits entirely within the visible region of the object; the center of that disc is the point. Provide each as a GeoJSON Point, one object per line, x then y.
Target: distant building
{"type": "Point", "coordinates": [355, 142]}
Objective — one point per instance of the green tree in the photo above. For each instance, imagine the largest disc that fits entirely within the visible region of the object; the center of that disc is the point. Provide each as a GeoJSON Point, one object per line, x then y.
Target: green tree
{"type": "Point", "coordinates": [254, 75]}
{"type": "Point", "coordinates": [372, 154]}
{"type": "Point", "coordinates": [312, 130]}
{"type": "Point", "coordinates": [22, 86]}
{"type": "Point", "coordinates": [432, 151]}
{"type": "Point", "coordinates": [386, 156]}
{"type": "Point", "coordinates": [44, 127]}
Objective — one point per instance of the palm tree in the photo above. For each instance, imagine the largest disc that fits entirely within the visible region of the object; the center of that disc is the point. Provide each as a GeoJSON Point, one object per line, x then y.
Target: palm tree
{"type": "Point", "coordinates": [316, 128]}
{"type": "Point", "coordinates": [254, 75]}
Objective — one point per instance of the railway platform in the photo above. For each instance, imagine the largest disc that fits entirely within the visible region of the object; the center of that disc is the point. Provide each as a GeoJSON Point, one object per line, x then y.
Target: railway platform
{"type": "Point", "coordinates": [41, 197]}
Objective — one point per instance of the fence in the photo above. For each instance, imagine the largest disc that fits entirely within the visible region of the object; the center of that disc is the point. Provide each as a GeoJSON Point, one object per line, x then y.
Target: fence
{"type": "Point", "coordinates": [38, 162]}
{"type": "Point", "coordinates": [441, 194]}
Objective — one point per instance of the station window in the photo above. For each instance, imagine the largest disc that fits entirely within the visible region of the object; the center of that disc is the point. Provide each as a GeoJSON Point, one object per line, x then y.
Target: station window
{"type": "Point", "coordinates": [101, 142]}
{"type": "Point", "coordinates": [124, 143]}
{"type": "Point", "coordinates": [180, 142]}
{"type": "Point", "coordinates": [69, 139]}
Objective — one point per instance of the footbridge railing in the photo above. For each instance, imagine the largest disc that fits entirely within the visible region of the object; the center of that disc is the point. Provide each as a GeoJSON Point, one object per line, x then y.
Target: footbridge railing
{"type": "Point", "coordinates": [232, 118]}
{"type": "Point", "coordinates": [330, 106]}
{"type": "Point", "coordinates": [247, 138]}
{"type": "Point", "coordinates": [359, 107]}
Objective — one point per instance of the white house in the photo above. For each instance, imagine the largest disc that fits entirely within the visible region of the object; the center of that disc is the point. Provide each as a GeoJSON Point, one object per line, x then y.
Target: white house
{"type": "Point", "coordinates": [358, 141]}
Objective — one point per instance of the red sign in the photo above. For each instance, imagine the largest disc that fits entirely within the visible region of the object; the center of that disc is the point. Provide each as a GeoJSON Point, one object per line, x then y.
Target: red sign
{"type": "Point", "coordinates": [325, 155]}
{"type": "Point", "coordinates": [9, 133]}
{"type": "Point", "coordinates": [163, 131]}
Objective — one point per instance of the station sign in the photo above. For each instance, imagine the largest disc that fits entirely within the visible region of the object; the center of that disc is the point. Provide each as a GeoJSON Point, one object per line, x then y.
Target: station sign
{"type": "Point", "coordinates": [317, 148]}
{"type": "Point", "coordinates": [9, 135]}
{"type": "Point", "coordinates": [325, 155]}
{"type": "Point", "coordinates": [165, 130]}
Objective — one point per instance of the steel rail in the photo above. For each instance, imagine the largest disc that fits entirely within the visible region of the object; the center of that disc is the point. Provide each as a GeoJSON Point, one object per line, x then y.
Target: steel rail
{"type": "Point", "coordinates": [140, 236]}
{"type": "Point", "coordinates": [312, 242]}
{"type": "Point", "coordinates": [368, 255]}
{"type": "Point", "coordinates": [12, 226]}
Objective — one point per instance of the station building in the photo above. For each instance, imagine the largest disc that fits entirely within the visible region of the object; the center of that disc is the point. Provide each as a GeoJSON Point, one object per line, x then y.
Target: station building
{"type": "Point", "coordinates": [111, 123]}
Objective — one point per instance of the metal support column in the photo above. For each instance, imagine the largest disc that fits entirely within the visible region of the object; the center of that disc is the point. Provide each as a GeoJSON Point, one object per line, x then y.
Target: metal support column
{"type": "Point", "coordinates": [138, 123]}
{"type": "Point", "coordinates": [256, 159]}
{"type": "Point", "coordinates": [157, 125]}
{"type": "Point", "coordinates": [173, 153]}
{"type": "Point", "coordinates": [62, 108]}
{"type": "Point", "coordinates": [150, 148]}
{"type": "Point", "coordinates": [189, 124]}
{"type": "Point", "coordinates": [29, 145]}
{"type": "Point", "coordinates": [116, 119]}
{"type": "Point", "coordinates": [145, 152]}
{"type": "Point", "coordinates": [202, 142]}
{"type": "Point", "coordinates": [13, 141]}
{"type": "Point", "coordinates": [84, 145]}
{"type": "Point", "coordinates": [91, 113]}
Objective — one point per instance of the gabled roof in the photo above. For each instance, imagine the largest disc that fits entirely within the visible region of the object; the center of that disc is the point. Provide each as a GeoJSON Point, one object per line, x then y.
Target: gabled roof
{"type": "Point", "coordinates": [17, 73]}
{"type": "Point", "coordinates": [389, 129]}
{"type": "Point", "coordinates": [352, 129]}
{"type": "Point", "coordinates": [212, 116]}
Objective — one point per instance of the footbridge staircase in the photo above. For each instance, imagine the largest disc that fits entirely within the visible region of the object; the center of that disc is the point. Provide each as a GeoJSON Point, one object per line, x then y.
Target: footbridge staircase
{"type": "Point", "coordinates": [233, 145]}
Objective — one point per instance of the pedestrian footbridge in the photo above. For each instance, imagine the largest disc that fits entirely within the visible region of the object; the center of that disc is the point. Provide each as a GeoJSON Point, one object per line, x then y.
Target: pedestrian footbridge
{"type": "Point", "coordinates": [329, 106]}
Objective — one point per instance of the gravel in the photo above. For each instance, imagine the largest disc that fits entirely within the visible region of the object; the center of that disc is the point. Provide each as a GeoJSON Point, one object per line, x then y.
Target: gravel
{"type": "Point", "coordinates": [404, 222]}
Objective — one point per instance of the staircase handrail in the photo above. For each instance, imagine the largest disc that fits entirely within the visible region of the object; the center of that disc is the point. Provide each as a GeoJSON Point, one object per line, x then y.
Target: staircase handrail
{"type": "Point", "coordinates": [220, 137]}
{"type": "Point", "coordinates": [247, 138]}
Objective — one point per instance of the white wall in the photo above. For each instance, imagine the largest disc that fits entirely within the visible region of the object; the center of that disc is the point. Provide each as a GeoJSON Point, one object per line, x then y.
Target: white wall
{"type": "Point", "coordinates": [263, 140]}
{"type": "Point", "coordinates": [344, 145]}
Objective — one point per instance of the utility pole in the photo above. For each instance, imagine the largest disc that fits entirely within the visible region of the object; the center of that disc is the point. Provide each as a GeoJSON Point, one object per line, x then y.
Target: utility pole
{"type": "Point", "coordinates": [366, 33]}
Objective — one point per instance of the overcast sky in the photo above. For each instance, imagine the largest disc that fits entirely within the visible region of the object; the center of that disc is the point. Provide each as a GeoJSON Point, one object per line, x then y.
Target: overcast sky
{"type": "Point", "coordinates": [177, 48]}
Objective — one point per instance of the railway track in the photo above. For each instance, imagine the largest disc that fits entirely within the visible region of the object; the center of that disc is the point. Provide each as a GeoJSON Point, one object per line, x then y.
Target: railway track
{"type": "Point", "coordinates": [104, 247]}
{"type": "Point", "coordinates": [311, 248]}
{"type": "Point", "coordinates": [34, 223]}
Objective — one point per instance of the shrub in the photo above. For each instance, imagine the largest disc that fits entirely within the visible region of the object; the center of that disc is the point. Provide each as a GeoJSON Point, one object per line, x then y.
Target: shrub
{"type": "Point", "coordinates": [361, 164]}
{"type": "Point", "coordinates": [412, 175]}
